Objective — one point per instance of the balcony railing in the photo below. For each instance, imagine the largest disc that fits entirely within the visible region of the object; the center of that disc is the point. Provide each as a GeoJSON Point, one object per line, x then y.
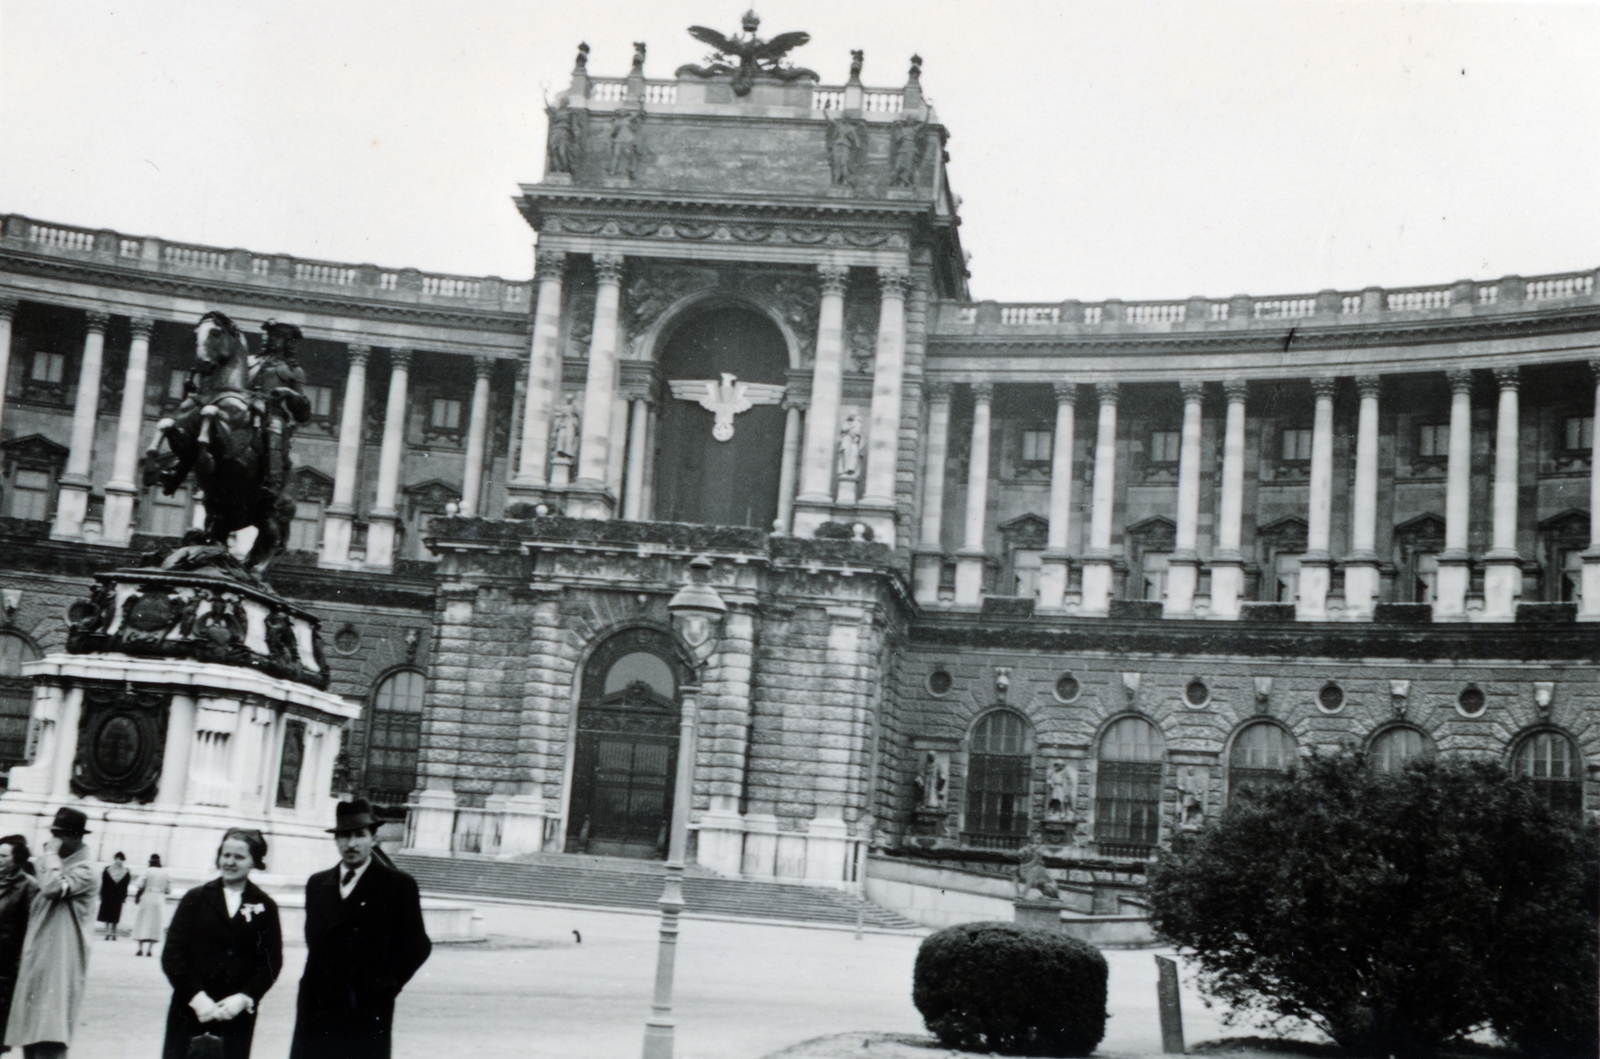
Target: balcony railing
{"type": "Point", "coordinates": [148, 254]}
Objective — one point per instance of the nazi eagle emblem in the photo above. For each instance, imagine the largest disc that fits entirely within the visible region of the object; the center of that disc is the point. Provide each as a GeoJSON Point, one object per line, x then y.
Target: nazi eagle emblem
{"type": "Point", "coordinates": [725, 399]}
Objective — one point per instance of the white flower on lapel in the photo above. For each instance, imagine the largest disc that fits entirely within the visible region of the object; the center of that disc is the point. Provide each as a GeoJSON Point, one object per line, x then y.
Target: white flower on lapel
{"type": "Point", "coordinates": [249, 911]}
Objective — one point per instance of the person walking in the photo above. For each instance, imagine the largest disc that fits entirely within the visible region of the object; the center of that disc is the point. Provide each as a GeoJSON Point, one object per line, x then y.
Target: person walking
{"type": "Point", "coordinates": [113, 892]}
{"type": "Point", "coordinates": [224, 950]}
{"type": "Point", "coordinates": [17, 887]}
{"type": "Point", "coordinates": [152, 898]}
{"type": "Point", "coordinates": [364, 940]}
{"type": "Point", "coordinates": [55, 953]}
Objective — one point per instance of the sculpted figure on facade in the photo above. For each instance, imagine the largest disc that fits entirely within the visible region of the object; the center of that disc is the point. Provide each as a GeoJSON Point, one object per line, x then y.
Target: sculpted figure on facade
{"type": "Point", "coordinates": [626, 135]}
{"type": "Point", "coordinates": [850, 447]}
{"type": "Point", "coordinates": [564, 428]}
{"type": "Point", "coordinates": [1032, 875]}
{"type": "Point", "coordinates": [846, 138]}
{"type": "Point", "coordinates": [1192, 782]}
{"type": "Point", "coordinates": [908, 142]}
{"type": "Point", "coordinates": [565, 139]}
{"type": "Point", "coordinates": [930, 782]}
{"type": "Point", "coordinates": [1059, 784]}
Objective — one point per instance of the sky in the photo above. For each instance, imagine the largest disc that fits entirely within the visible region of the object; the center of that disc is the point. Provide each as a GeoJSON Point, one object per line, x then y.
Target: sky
{"type": "Point", "coordinates": [1134, 149]}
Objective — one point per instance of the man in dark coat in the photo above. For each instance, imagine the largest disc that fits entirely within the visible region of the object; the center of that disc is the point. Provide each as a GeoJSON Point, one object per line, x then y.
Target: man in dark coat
{"type": "Point", "coordinates": [364, 941]}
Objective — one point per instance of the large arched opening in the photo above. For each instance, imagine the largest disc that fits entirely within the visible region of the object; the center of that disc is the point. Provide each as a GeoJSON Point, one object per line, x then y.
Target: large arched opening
{"type": "Point", "coordinates": [699, 477]}
{"type": "Point", "coordinates": [626, 750]}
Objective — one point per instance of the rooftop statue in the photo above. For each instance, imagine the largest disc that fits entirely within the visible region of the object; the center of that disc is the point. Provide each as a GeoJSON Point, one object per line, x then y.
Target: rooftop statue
{"type": "Point", "coordinates": [232, 432]}
{"type": "Point", "coordinates": [757, 57]}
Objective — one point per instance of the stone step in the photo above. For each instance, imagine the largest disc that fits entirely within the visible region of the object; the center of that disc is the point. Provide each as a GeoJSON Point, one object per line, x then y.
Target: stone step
{"type": "Point", "coordinates": [620, 883]}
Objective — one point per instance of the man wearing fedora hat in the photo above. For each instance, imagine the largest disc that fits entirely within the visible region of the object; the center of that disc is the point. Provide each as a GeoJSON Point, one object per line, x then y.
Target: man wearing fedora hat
{"type": "Point", "coordinates": [364, 941]}
{"type": "Point", "coordinates": [55, 951]}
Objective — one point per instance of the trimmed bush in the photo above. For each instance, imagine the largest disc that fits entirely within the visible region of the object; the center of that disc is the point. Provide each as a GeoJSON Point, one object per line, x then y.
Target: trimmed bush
{"type": "Point", "coordinates": [998, 987]}
{"type": "Point", "coordinates": [1396, 912]}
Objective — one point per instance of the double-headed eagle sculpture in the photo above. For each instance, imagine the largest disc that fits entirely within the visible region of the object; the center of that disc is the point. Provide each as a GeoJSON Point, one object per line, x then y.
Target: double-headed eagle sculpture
{"type": "Point", "coordinates": [725, 399]}
{"type": "Point", "coordinates": [756, 57]}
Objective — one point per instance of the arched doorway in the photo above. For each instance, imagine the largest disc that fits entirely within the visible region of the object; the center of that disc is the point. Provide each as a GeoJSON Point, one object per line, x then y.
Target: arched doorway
{"type": "Point", "coordinates": [626, 752]}
{"type": "Point", "coordinates": [699, 478]}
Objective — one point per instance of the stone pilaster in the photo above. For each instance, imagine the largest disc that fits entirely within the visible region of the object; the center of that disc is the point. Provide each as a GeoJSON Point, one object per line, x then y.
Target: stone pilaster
{"type": "Point", "coordinates": [789, 469]}
{"type": "Point", "coordinates": [543, 378]}
{"type": "Point", "coordinates": [123, 487]}
{"type": "Point", "coordinates": [384, 519]}
{"type": "Point", "coordinates": [970, 559]}
{"type": "Point", "coordinates": [338, 520]}
{"type": "Point", "coordinates": [72, 497]}
{"type": "Point", "coordinates": [877, 505]}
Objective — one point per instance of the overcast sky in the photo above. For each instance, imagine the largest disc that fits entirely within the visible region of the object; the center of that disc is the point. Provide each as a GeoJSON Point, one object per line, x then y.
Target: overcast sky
{"type": "Point", "coordinates": [1128, 149]}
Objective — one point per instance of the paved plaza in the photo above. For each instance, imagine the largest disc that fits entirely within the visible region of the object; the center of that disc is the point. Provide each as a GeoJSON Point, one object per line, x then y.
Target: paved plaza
{"type": "Point", "coordinates": [744, 990]}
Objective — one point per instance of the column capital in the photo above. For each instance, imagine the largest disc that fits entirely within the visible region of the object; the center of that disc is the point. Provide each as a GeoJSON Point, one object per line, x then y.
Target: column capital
{"type": "Point", "coordinates": [400, 359]}
{"type": "Point", "coordinates": [550, 264]}
{"type": "Point", "coordinates": [1508, 378]}
{"type": "Point", "coordinates": [608, 268]}
{"type": "Point", "coordinates": [937, 389]}
{"type": "Point", "coordinates": [982, 391]}
{"type": "Point", "coordinates": [1236, 390]}
{"type": "Point", "coordinates": [357, 353]}
{"type": "Point", "coordinates": [1066, 392]}
{"type": "Point", "coordinates": [1192, 390]}
{"type": "Point", "coordinates": [834, 278]}
{"type": "Point", "coordinates": [893, 282]}
{"type": "Point", "coordinates": [1460, 380]}
{"type": "Point", "coordinates": [141, 326]}
{"type": "Point", "coordinates": [795, 403]}
{"type": "Point", "coordinates": [1107, 393]}
{"type": "Point", "coordinates": [482, 367]}
{"type": "Point", "coordinates": [97, 320]}
{"type": "Point", "coordinates": [1323, 387]}
{"type": "Point", "coordinates": [1368, 385]}
{"type": "Point", "coordinates": [8, 308]}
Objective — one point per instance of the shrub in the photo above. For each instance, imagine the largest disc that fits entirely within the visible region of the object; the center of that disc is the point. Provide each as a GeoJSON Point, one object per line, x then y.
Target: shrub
{"type": "Point", "coordinates": [1396, 912]}
{"type": "Point", "coordinates": [998, 987]}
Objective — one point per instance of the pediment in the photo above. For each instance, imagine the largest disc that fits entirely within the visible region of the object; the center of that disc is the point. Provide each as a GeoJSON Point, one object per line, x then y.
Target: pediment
{"type": "Point", "coordinates": [1155, 534]}
{"type": "Point", "coordinates": [1026, 531]}
{"type": "Point", "coordinates": [35, 449]}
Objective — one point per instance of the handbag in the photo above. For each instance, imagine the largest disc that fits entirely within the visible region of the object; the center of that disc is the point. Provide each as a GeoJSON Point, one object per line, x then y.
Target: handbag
{"type": "Point", "coordinates": [206, 1046]}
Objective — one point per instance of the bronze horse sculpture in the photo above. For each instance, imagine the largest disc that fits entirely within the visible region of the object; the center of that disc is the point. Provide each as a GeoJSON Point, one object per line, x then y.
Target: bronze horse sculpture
{"type": "Point", "coordinates": [231, 431]}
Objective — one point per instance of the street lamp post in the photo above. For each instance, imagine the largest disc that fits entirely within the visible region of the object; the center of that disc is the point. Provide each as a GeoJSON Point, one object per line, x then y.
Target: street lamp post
{"type": "Point", "coordinates": [696, 610]}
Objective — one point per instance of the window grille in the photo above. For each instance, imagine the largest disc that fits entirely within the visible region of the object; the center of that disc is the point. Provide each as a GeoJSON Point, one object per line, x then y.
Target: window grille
{"type": "Point", "coordinates": [1128, 785]}
{"type": "Point", "coordinates": [999, 770]}
{"type": "Point", "coordinates": [1551, 761]}
{"type": "Point", "coordinates": [1262, 755]}
{"type": "Point", "coordinates": [394, 736]}
{"type": "Point", "coordinates": [16, 698]}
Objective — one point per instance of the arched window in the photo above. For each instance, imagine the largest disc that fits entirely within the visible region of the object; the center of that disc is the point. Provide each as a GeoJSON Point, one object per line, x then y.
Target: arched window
{"type": "Point", "coordinates": [394, 732]}
{"type": "Point", "coordinates": [1127, 811]}
{"type": "Point", "coordinates": [999, 766]}
{"type": "Point", "coordinates": [1395, 746]}
{"type": "Point", "coordinates": [1262, 755]}
{"type": "Point", "coordinates": [16, 697]}
{"type": "Point", "coordinates": [1554, 765]}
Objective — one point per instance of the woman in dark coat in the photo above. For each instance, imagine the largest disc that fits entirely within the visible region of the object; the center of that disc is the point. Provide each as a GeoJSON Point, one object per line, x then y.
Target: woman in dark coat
{"type": "Point", "coordinates": [113, 892]}
{"type": "Point", "coordinates": [17, 887]}
{"type": "Point", "coordinates": [224, 950]}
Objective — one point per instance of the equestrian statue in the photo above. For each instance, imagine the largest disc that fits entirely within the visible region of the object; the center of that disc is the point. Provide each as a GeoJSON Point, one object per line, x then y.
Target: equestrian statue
{"type": "Point", "coordinates": [232, 432]}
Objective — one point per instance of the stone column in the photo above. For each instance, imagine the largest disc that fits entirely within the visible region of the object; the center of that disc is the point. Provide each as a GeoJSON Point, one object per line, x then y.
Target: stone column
{"type": "Point", "coordinates": [72, 498]}
{"type": "Point", "coordinates": [929, 558]}
{"type": "Point", "coordinates": [384, 518]}
{"type": "Point", "coordinates": [1361, 565]}
{"type": "Point", "coordinates": [123, 486]}
{"type": "Point", "coordinates": [1316, 566]}
{"type": "Point", "coordinates": [638, 430]}
{"type": "Point", "coordinates": [617, 461]}
{"type": "Point", "coordinates": [789, 469]}
{"type": "Point", "coordinates": [970, 559]}
{"type": "Point", "coordinates": [588, 496]}
{"type": "Point", "coordinates": [1455, 563]}
{"type": "Point", "coordinates": [883, 441]}
{"type": "Point", "coordinates": [1502, 574]}
{"type": "Point", "coordinates": [544, 378]}
{"type": "Point", "coordinates": [1589, 608]}
{"type": "Point", "coordinates": [1054, 565]}
{"type": "Point", "coordinates": [337, 520]}
{"type": "Point", "coordinates": [815, 502]}
{"type": "Point", "coordinates": [1183, 572]}
{"type": "Point", "coordinates": [8, 309]}
{"type": "Point", "coordinates": [1227, 562]}
{"type": "Point", "coordinates": [1098, 562]}
{"type": "Point", "coordinates": [477, 436]}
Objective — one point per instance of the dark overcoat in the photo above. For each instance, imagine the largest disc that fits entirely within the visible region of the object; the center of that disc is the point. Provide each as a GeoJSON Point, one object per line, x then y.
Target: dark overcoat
{"type": "Point", "coordinates": [211, 952]}
{"type": "Point", "coordinates": [16, 898]}
{"type": "Point", "coordinates": [360, 951]}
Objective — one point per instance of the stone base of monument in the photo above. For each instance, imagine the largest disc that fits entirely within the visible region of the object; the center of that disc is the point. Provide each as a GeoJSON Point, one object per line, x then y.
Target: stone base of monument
{"type": "Point", "coordinates": [1040, 912]}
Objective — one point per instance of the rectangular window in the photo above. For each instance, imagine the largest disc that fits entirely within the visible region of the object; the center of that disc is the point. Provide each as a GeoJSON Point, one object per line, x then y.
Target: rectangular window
{"type": "Point", "coordinates": [1154, 566]}
{"type": "Point", "coordinates": [1427, 577]}
{"type": "Point", "coordinates": [1296, 445]}
{"type": "Point", "coordinates": [321, 398]}
{"type": "Point", "coordinates": [1128, 803]}
{"type": "Point", "coordinates": [30, 495]}
{"type": "Point", "coordinates": [1287, 571]}
{"type": "Point", "coordinates": [1036, 446]}
{"type": "Point", "coordinates": [446, 414]}
{"type": "Point", "coordinates": [305, 530]}
{"type": "Point", "coordinates": [175, 380]}
{"type": "Point", "coordinates": [294, 754]}
{"type": "Point", "coordinates": [1164, 446]}
{"type": "Point", "coordinates": [1025, 571]}
{"type": "Point", "coordinates": [997, 794]}
{"type": "Point", "coordinates": [49, 367]}
{"type": "Point", "coordinates": [1580, 432]}
{"type": "Point", "coordinates": [1433, 439]}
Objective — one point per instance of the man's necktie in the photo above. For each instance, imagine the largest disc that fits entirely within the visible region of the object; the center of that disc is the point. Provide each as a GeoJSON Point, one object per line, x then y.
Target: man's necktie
{"type": "Point", "coordinates": [349, 877]}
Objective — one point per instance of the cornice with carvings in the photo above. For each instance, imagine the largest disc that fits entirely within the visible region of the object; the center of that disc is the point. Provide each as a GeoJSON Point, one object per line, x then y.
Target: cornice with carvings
{"type": "Point", "coordinates": [689, 230]}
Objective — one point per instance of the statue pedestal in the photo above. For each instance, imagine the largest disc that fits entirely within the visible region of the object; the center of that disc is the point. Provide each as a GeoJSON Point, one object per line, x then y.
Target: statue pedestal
{"type": "Point", "coordinates": [1041, 913]}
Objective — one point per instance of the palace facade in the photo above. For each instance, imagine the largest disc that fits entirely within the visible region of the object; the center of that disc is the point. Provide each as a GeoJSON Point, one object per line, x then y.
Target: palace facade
{"type": "Point", "coordinates": [995, 574]}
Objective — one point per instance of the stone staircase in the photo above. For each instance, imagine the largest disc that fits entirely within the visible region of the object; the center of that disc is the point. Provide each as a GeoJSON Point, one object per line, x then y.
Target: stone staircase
{"type": "Point", "coordinates": [616, 882]}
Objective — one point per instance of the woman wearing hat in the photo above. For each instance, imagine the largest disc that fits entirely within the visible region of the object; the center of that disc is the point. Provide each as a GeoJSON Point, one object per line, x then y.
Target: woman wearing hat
{"type": "Point", "coordinates": [55, 954]}
{"type": "Point", "coordinates": [152, 899]}
{"type": "Point", "coordinates": [113, 892]}
{"type": "Point", "coordinates": [17, 887]}
{"type": "Point", "coordinates": [224, 950]}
